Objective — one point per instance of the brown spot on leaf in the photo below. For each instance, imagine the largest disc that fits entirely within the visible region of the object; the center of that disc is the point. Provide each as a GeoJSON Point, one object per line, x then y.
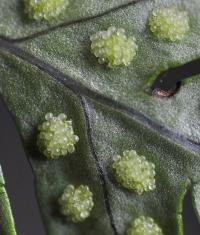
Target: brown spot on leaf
{"type": "Point", "coordinates": [158, 92]}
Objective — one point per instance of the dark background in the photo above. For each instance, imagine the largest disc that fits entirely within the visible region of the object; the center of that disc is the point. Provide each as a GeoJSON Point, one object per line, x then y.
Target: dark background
{"type": "Point", "coordinates": [17, 173]}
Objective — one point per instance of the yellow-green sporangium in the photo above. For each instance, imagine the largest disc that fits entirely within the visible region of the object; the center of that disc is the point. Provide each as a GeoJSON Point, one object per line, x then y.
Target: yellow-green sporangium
{"type": "Point", "coordinates": [76, 203]}
{"type": "Point", "coordinates": [169, 23]}
{"type": "Point", "coordinates": [45, 9]}
{"type": "Point", "coordinates": [56, 136]}
{"type": "Point", "coordinates": [113, 47]}
{"type": "Point", "coordinates": [134, 172]}
{"type": "Point", "coordinates": [144, 226]}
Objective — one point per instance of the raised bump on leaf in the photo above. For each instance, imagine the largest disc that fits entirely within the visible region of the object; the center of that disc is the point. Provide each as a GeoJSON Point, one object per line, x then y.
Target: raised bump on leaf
{"type": "Point", "coordinates": [169, 23]}
{"type": "Point", "coordinates": [144, 226]}
{"type": "Point", "coordinates": [76, 203]}
{"type": "Point", "coordinates": [45, 9]}
{"type": "Point", "coordinates": [134, 172]}
{"type": "Point", "coordinates": [56, 137]}
{"type": "Point", "coordinates": [113, 47]}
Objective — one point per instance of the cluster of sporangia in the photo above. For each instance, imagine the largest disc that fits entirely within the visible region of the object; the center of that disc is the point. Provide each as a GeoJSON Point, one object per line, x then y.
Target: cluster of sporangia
{"type": "Point", "coordinates": [113, 47]}
{"type": "Point", "coordinates": [144, 226]}
{"type": "Point", "coordinates": [76, 203]}
{"type": "Point", "coordinates": [57, 138]}
{"type": "Point", "coordinates": [45, 9]}
{"type": "Point", "coordinates": [134, 172]}
{"type": "Point", "coordinates": [169, 23]}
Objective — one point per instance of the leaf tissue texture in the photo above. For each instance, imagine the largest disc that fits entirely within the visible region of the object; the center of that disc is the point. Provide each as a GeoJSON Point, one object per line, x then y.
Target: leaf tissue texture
{"type": "Point", "coordinates": [49, 68]}
{"type": "Point", "coordinates": [15, 23]}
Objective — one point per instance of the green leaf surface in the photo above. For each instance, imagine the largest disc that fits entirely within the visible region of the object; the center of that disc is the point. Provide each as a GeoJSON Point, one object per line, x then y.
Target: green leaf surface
{"type": "Point", "coordinates": [112, 110]}
{"type": "Point", "coordinates": [103, 132]}
{"type": "Point", "coordinates": [14, 23]}
{"type": "Point", "coordinates": [7, 226]}
{"type": "Point", "coordinates": [68, 50]}
{"type": "Point", "coordinates": [196, 199]}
